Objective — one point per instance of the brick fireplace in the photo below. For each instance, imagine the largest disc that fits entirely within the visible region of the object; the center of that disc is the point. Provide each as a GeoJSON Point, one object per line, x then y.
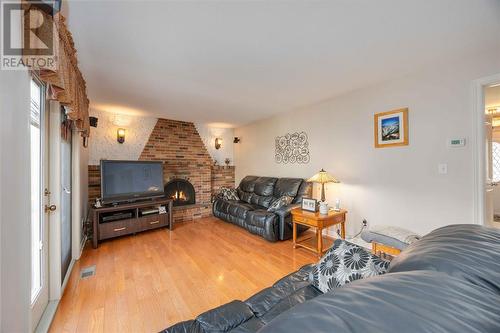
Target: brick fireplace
{"type": "Point", "coordinates": [184, 156]}
{"type": "Point", "coordinates": [179, 146]}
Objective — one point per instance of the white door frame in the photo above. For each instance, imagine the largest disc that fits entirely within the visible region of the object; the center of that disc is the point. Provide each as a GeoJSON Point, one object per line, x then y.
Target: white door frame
{"type": "Point", "coordinates": [479, 157]}
{"type": "Point", "coordinates": [55, 186]}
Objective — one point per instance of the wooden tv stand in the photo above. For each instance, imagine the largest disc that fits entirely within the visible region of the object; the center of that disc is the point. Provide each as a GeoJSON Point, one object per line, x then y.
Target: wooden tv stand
{"type": "Point", "coordinates": [114, 221]}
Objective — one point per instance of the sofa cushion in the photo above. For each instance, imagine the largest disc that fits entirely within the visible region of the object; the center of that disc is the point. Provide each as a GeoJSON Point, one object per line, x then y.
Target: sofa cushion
{"type": "Point", "coordinates": [468, 251]}
{"type": "Point", "coordinates": [287, 186]}
{"type": "Point", "coordinates": [264, 186]}
{"type": "Point", "coordinates": [234, 208]}
{"type": "Point", "coordinates": [296, 297]}
{"type": "Point", "coordinates": [245, 196]}
{"type": "Point", "coordinates": [264, 300]}
{"type": "Point", "coordinates": [260, 218]}
{"type": "Point", "coordinates": [410, 302]}
{"type": "Point", "coordinates": [247, 184]}
{"type": "Point", "coordinates": [239, 209]}
{"type": "Point", "coordinates": [343, 263]}
{"type": "Point", "coordinates": [225, 317]}
{"type": "Point", "coordinates": [250, 326]}
{"type": "Point", "coordinates": [295, 280]}
{"type": "Point", "coordinates": [261, 201]}
{"type": "Point", "coordinates": [262, 223]}
{"type": "Point", "coordinates": [222, 206]}
{"type": "Point", "coordinates": [305, 191]}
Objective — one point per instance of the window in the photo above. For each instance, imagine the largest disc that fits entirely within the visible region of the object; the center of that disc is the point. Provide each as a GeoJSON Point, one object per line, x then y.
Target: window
{"type": "Point", "coordinates": [495, 149]}
{"type": "Point", "coordinates": [36, 187]}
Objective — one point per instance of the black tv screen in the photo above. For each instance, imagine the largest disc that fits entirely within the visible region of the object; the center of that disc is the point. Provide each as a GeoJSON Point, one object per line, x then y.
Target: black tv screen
{"type": "Point", "coordinates": [130, 180]}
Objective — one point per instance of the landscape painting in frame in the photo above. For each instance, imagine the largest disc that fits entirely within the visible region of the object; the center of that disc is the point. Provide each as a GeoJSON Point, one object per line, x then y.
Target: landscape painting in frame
{"type": "Point", "coordinates": [391, 128]}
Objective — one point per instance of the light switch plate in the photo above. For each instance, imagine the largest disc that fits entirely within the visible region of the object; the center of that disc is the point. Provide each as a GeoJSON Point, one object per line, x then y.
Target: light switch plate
{"type": "Point", "coordinates": [442, 168]}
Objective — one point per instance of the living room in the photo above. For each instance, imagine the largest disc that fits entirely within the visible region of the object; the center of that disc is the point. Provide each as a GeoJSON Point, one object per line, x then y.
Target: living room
{"type": "Point", "coordinates": [213, 166]}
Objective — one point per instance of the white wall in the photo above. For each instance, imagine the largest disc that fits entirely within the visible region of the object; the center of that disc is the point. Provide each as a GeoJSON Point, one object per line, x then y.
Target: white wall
{"type": "Point", "coordinates": [15, 213]}
{"type": "Point", "coordinates": [103, 144]}
{"type": "Point", "coordinates": [208, 135]}
{"type": "Point", "coordinates": [395, 186]}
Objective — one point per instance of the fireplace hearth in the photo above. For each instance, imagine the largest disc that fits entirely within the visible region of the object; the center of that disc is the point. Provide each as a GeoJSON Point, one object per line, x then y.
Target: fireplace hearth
{"type": "Point", "coordinates": [181, 191]}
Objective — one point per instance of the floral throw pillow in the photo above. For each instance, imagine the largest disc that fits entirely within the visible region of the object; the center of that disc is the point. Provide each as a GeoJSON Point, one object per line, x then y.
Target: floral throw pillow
{"type": "Point", "coordinates": [229, 193]}
{"type": "Point", "coordinates": [345, 262]}
{"type": "Point", "coordinates": [281, 202]}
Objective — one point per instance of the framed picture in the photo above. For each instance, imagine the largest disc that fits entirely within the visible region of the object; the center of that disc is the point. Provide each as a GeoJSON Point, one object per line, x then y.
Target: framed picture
{"type": "Point", "coordinates": [391, 128]}
{"type": "Point", "coordinates": [309, 204]}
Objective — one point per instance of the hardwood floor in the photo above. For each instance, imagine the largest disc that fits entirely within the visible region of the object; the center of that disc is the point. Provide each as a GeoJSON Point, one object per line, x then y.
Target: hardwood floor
{"type": "Point", "coordinates": [147, 282]}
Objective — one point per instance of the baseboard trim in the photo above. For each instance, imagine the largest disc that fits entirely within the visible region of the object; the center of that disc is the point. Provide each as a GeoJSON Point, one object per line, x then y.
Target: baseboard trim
{"type": "Point", "coordinates": [47, 317]}
{"type": "Point", "coordinates": [82, 246]}
{"type": "Point", "coordinates": [68, 274]}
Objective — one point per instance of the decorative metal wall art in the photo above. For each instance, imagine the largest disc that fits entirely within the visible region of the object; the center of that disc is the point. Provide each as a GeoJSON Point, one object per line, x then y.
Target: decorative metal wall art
{"type": "Point", "coordinates": [292, 148]}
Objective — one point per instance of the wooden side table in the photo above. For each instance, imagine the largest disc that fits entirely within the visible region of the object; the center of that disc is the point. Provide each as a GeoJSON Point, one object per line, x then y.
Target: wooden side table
{"type": "Point", "coordinates": [379, 249]}
{"type": "Point", "coordinates": [318, 221]}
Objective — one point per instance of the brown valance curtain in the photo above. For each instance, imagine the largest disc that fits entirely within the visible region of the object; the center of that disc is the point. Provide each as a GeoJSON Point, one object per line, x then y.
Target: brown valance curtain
{"type": "Point", "coordinates": [64, 80]}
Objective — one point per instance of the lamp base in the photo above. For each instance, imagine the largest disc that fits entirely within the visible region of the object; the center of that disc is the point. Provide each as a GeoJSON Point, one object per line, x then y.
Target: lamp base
{"type": "Point", "coordinates": [323, 208]}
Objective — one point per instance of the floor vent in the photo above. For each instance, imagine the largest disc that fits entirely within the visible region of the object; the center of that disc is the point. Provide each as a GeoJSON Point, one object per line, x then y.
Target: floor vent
{"type": "Point", "coordinates": [87, 272]}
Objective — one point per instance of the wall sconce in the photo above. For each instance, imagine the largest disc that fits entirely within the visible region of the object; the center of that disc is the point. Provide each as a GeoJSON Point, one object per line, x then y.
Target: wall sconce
{"type": "Point", "coordinates": [93, 121]}
{"type": "Point", "coordinates": [120, 135]}
{"type": "Point", "coordinates": [218, 143]}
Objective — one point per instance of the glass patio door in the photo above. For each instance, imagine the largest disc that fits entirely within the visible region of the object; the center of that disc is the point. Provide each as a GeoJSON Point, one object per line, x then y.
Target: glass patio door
{"type": "Point", "coordinates": [39, 201]}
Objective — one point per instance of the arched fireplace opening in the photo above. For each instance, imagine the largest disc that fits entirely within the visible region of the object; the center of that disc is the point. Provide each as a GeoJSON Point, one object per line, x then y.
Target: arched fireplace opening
{"type": "Point", "coordinates": [181, 191]}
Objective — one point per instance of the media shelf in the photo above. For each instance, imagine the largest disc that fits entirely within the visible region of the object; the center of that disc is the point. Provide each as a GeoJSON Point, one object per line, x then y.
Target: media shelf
{"type": "Point", "coordinates": [114, 221]}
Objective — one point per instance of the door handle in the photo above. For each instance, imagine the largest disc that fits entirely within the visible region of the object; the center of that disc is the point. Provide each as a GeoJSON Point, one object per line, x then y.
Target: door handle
{"type": "Point", "coordinates": [50, 208]}
{"type": "Point", "coordinates": [492, 184]}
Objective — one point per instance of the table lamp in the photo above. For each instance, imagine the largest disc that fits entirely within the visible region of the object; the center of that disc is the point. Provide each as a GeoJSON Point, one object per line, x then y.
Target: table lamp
{"type": "Point", "coordinates": [322, 178]}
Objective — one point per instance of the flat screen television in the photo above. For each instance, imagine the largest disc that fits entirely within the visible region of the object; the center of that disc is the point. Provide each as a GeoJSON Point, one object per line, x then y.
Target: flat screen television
{"type": "Point", "coordinates": [126, 181]}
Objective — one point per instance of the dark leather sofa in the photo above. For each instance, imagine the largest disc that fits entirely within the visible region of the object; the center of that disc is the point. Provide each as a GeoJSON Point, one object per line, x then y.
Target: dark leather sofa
{"type": "Point", "coordinates": [256, 195]}
{"type": "Point", "coordinates": [449, 281]}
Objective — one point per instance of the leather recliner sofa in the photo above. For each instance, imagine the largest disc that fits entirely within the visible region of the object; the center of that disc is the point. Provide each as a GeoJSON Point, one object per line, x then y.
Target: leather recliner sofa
{"type": "Point", "coordinates": [448, 281]}
{"type": "Point", "coordinates": [256, 195]}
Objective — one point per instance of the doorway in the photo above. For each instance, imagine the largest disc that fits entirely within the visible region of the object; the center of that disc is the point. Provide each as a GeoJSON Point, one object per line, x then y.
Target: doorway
{"type": "Point", "coordinates": [492, 134]}
{"type": "Point", "coordinates": [484, 148]}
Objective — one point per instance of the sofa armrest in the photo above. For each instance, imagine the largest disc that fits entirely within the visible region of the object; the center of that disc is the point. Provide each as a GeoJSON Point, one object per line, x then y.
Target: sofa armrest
{"type": "Point", "coordinates": [285, 217]}
{"type": "Point", "coordinates": [285, 211]}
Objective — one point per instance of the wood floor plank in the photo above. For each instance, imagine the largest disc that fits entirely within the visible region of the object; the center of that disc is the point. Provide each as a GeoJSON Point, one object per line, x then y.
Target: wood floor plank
{"type": "Point", "coordinates": [149, 281]}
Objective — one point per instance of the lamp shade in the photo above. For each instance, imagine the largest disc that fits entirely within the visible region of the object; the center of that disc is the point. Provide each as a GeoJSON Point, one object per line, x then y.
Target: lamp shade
{"type": "Point", "coordinates": [323, 177]}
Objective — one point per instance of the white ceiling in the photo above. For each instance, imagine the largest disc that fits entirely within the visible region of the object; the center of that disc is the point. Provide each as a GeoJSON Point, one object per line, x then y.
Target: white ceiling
{"type": "Point", "coordinates": [235, 62]}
